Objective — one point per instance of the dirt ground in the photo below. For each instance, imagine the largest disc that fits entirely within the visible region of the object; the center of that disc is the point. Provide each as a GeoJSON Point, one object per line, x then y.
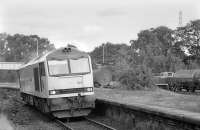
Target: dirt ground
{"type": "Point", "coordinates": [156, 97]}
{"type": "Point", "coordinates": [15, 115]}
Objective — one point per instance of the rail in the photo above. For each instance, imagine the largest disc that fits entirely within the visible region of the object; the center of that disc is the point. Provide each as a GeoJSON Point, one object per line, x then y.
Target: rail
{"type": "Point", "coordinates": [100, 124]}
{"type": "Point", "coordinates": [64, 125]}
{"type": "Point", "coordinates": [91, 122]}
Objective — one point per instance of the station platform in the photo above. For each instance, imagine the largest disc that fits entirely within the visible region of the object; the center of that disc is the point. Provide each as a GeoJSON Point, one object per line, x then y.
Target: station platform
{"type": "Point", "coordinates": [159, 102]}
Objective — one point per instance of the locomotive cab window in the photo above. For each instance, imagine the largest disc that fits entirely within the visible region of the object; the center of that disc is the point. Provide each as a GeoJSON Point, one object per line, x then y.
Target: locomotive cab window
{"type": "Point", "coordinates": [79, 65]}
{"type": "Point", "coordinates": [58, 67]}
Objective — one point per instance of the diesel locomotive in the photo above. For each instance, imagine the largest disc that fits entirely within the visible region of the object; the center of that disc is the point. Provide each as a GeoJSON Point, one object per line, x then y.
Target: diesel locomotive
{"type": "Point", "coordinates": [59, 82]}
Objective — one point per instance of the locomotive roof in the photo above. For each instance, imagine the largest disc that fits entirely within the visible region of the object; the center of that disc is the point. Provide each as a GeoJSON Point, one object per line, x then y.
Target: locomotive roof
{"type": "Point", "coordinates": [56, 53]}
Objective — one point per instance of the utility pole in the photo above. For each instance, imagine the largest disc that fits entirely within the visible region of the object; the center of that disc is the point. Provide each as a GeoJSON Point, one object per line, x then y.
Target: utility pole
{"type": "Point", "coordinates": [103, 53]}
{"type": "Point", "coordinates": [35, 39]}
{"type": "Point", "coordinates": [180, 18]}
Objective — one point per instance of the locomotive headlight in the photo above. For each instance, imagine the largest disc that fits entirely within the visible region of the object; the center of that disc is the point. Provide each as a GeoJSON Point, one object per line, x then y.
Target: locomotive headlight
{"type": "Point", "coordinates": [52, 92]}
{"type": "Point", "coordinates": [89, 89]}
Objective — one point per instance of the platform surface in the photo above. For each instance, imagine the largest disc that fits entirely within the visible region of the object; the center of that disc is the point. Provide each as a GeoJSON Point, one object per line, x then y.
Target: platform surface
{"type": "Point", "coordinates": [158, 101]}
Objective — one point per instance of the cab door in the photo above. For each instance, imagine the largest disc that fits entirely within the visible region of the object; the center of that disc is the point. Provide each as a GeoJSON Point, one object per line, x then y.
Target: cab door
{"type": "Point", "coordinates": [42, 76]}
{"type": "Point", "coordinates": [39, 77]}
{"type": "Point", "coordinates": [36, 78]}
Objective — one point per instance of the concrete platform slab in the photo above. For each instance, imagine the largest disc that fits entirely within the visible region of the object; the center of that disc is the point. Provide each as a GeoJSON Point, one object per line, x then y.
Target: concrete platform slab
{"type": "Point", "coordinates": [148, 102]}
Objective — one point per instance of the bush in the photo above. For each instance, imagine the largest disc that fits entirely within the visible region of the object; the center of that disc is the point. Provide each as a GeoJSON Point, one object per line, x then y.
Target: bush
{"type": "Point", "coordinates": [138, 77]}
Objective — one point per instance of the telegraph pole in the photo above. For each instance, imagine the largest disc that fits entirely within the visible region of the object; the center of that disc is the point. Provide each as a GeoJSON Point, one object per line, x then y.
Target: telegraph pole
{"type": "Point", "coordinates": [35, 39]}
{"type": "Point", "coordinates": [180, 18]}
{"type": "Point", "coordinates": [103, 53]}
{"type": "Point", "coordinates": [37, 46]}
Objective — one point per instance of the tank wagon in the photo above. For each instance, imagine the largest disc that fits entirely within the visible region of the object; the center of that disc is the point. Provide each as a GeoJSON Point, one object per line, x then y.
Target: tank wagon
{"type": "Point", "coordinates": [185, 79]}
{"type": "Point", "coordinates": [161, 79]}
{"type": "Point", "coordinates": [59, 82]}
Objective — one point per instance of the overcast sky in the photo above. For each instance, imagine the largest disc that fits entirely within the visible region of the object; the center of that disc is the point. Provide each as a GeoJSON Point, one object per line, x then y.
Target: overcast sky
{"type": "Point", "coordinates": [88, 23]}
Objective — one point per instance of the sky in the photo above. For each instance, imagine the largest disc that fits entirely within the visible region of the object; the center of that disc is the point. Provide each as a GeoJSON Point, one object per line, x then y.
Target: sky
{"type": "Point", "coordinates": [89, 23]}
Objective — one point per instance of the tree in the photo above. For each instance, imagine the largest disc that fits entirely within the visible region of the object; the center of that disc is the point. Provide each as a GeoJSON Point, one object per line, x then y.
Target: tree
{"type": "Point", "coordinates": [112, 53]}
{"type": "Point", "coordinates": [22, 48]}
{"type": "Point", "coordinates": [147, 43]}
{"type": "Point", "coordinates": [155, 48]}
{"type": "Point", "coordinates": [3, 49]}
{"type": "Point", "coordinates": [17, 48]}
{"type": "Point", "coordinates": [164, 35]}
{"type": "Point", "coordinates": [155, 41]}
{"type": "Point", "coordinates": [147, 49]}
{"type": "Point", "coordinates": [189, 36]}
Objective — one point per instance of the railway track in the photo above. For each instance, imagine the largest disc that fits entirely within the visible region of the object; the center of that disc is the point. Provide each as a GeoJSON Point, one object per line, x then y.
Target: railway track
{"type": "Point", "coordinates": [188, 93]}
{"type": "Point", "coordinates": [64, 125]}
{"type": "Point", "coordinates": [197, 92]}
{"type": "Point", "coordinates": [84, 124]}
{"type": "Point", "coordinates": [184, 91]}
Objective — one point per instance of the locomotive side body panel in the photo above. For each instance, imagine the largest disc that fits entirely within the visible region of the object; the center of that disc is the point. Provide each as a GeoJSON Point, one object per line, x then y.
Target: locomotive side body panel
{"type": "Point", "coordinates": [27, 80]}
{"type": "Point", "coordinates": [33, 80]}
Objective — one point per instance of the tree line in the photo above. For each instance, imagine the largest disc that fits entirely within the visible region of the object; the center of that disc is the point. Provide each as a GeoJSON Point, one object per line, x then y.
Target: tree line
{"type": "Point", "coordinates": [155, 50]}
{"type": "Point", "coordinates": [20, 48]}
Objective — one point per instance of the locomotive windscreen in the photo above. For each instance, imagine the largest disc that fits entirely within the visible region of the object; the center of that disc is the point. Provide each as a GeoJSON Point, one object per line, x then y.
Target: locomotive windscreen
{"type": "Point", "coordinates": [69, 66]}
{"type": "Point", "coordinates": [58, 67]}
{"type": "Point", "coordinates": [80, 65]}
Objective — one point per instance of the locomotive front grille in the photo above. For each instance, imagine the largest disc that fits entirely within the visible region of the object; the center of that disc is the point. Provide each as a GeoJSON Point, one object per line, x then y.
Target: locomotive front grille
{"type": "Point", "coordinates": [69, 91]}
